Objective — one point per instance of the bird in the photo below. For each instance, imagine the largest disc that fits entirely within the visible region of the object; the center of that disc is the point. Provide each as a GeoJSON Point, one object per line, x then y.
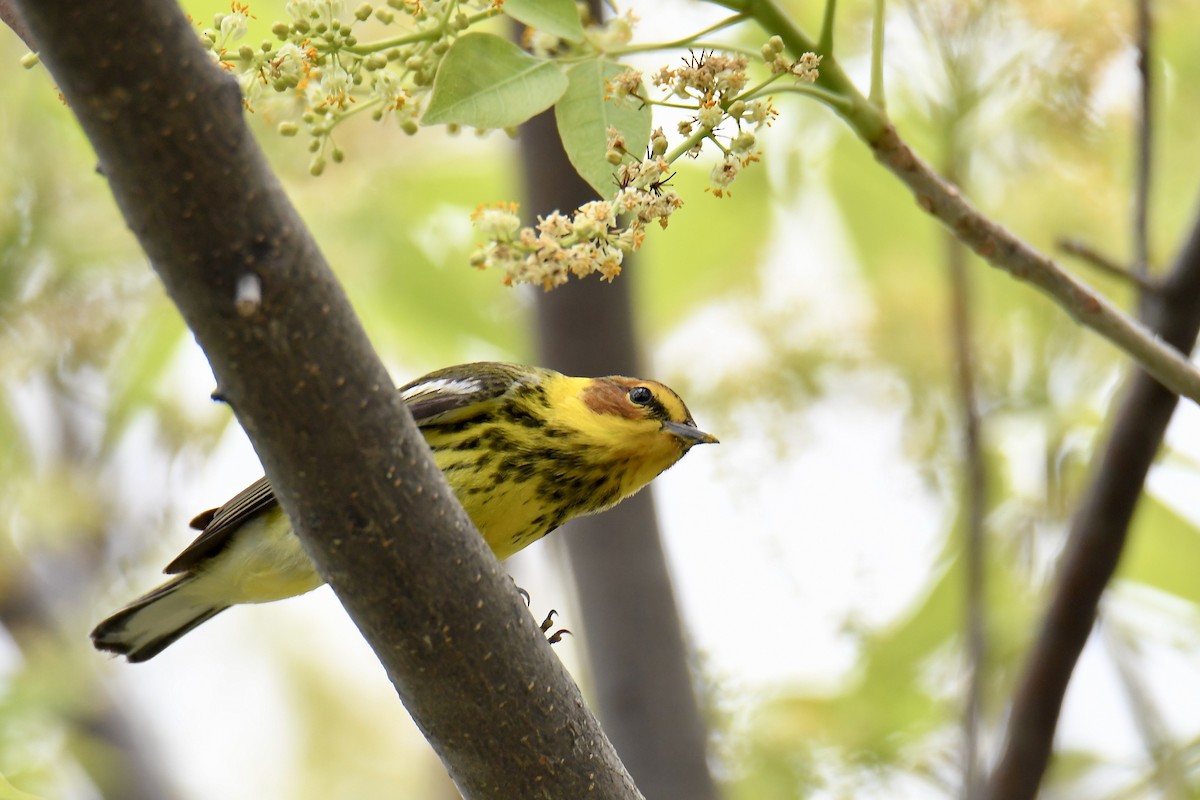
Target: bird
{"type": "Point", "coordinates": [523, 448]}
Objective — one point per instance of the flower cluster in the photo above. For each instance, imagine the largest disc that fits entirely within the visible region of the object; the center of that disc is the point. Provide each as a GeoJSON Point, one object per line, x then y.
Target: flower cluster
{"type": "Point", "coordinates": [317, 65]}
{"type": "Point", "coordinates": [594, 238]}
{"type": "Point", "coordinates": [591, 240]}
{"type": "Point", "coordinates": [710, 78]}
{"type": "Point", "coordinates": [803, 69]}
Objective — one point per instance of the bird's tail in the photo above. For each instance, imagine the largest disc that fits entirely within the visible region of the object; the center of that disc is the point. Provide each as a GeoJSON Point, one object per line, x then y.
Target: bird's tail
{"type": "Point", "coordinates": [142, 629]}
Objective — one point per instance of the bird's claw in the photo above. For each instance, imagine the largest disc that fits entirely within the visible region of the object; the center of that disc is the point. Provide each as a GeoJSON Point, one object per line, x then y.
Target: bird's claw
{"type": "Point", "coordinates": [547, 623]}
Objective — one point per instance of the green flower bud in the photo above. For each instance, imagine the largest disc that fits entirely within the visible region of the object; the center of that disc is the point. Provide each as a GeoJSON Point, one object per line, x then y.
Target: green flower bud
{"type": "Point", "coordinates": [384, 15]}
{"type": "Point", "coordinates": [281, 30]}
{"type": "Point", "coordinates": [410, 126]}
{"type": "Point", "coordinates": [316, 166]}
{"type": "Point", "coordinates": [30, 60]}
{"type": "Point", "coordinates": [363, 12]}
{"type": "Point", "coordinates": [288, 128]}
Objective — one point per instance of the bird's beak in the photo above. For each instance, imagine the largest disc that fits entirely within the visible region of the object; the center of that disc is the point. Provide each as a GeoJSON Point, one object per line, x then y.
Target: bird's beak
{"type": "Point", "coordinates": [689, 433]}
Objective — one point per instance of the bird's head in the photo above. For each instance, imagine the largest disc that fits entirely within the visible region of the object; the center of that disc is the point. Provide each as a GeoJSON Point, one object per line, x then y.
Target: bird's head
{"type": "Point", "coordinates": [643, 417]}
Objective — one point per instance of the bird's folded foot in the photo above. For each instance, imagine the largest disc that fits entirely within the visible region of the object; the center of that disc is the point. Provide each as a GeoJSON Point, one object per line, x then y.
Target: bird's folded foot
{"type": "Point", "coordinates": [548, 623]}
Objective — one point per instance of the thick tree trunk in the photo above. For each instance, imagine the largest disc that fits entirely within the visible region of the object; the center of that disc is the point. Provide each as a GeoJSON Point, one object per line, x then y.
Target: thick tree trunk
{"type": "Point", "coordinates": [337, 443]}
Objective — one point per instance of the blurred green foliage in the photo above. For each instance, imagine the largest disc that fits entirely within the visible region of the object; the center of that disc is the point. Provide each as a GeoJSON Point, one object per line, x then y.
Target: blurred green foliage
{"type": "Point", "coordinates": [1031, 101]}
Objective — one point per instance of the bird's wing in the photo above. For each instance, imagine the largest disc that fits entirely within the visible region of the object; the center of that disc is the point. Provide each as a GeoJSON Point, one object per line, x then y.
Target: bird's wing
{"type": "Point", "coordinates": [446, 396]}
{"type": "Point", "coordinates": [219, 524]}
{"type": "Point", "coordinates": [457, 393]}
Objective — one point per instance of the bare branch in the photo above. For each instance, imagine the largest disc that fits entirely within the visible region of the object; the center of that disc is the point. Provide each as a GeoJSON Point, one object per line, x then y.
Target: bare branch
{"type": "Point", "coordinates": [1004, 250]}
{"type": "Point", "coordinates": [10, 15]}
{"type": "Point", "coordinates": [1108, 266]}
{"type": "Point", "coordinates": [1141, 194]}
{"type": "Point", "coordinates": [974, 506]}
{"type": "Point", "coordinates": [1096, 539]}
{"type": "Point", "coordinates": [990, 240]}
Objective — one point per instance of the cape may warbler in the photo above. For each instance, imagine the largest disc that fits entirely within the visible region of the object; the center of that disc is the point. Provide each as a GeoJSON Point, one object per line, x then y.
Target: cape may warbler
{"type": "Point", "coordinates": [524, 449]}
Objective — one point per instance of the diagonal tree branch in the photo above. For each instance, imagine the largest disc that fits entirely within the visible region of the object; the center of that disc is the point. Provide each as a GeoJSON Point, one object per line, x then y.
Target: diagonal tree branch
{"type": "Point", "coordinates": [339, 446]}
{"type": "Point", "coordinates": [10, 15]}
{"type": "Point", "coordinates": [991, 241]}
{"type": "Point", "coordinates": [1096, 538]}
{"type": "Point", "coordinates": [1002, 249]}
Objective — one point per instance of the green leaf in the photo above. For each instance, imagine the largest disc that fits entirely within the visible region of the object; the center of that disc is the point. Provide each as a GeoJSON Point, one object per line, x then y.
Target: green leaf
{"type": "Point", "coordinates": [557, 17]}
{"type": "Point", "coordinates": [584, 117]}
{"type": "Point", "coordinates": [488, 82]}
{"type": "Point", "coordinates": [1163, 550]}
{"type": "Point", "coordinates": [10, 792]}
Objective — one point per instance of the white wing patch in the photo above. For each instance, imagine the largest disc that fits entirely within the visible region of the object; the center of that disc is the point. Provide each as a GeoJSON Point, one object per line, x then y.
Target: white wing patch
{"type": "Point", "coordinates": [441, 386]}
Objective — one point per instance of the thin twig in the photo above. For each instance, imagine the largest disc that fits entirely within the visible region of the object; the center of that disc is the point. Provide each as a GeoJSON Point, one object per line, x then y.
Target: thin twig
{"type": "Point", "coordinates": [990, 240]}
{"type": "Point", "coordinates": [974, 500]}
{"type": "Point", "coordinates": [1141, 195]}
{"type": "Point", "coordinates": [1004, 250]}
{"type": "Point", "coordinates": [825, 42]}
{"type": "Point", "coordinates": [1096, 539]}
{"type": "Point", "coordinates": [876, 93]}
{"type": "Point", "coordinates": [1105, 264]}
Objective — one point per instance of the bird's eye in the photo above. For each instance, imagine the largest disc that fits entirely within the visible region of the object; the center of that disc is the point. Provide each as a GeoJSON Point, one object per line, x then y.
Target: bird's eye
{"type": "Point", "coordinates": [640, 395]}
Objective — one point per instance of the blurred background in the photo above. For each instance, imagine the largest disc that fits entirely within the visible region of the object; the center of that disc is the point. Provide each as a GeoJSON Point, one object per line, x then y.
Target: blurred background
{"type": "Point", "coordinates": [816, 553]}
